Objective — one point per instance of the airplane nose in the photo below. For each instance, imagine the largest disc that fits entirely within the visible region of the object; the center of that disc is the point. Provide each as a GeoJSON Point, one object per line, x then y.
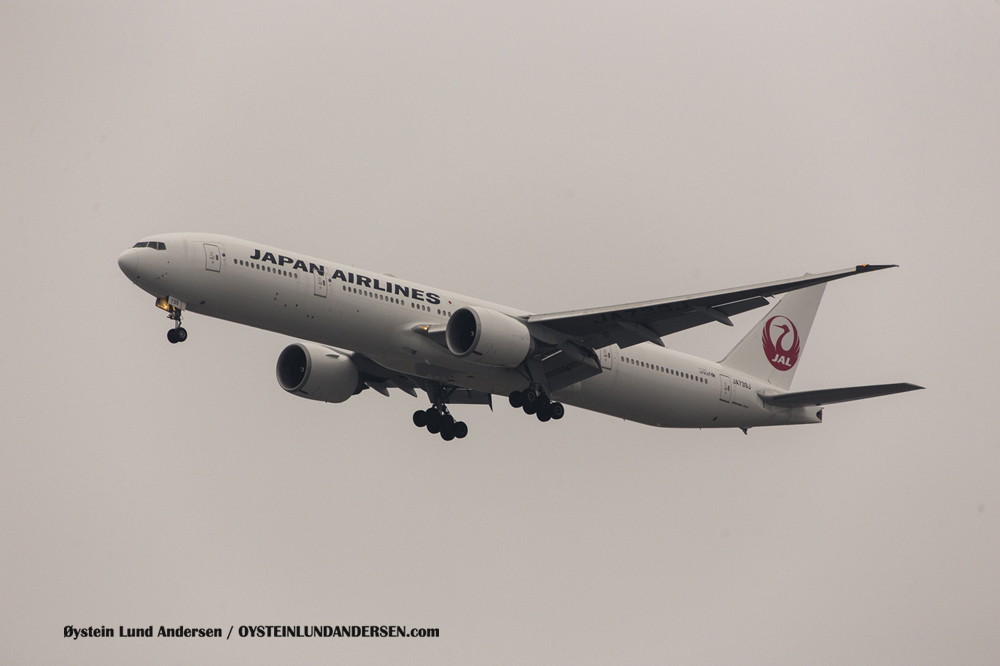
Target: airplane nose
{"type": "Point", "coordinates": [128, 261]}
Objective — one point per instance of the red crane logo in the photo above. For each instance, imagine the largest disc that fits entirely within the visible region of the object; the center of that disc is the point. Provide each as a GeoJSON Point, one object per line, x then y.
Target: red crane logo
{"type": "Point", "coordinates": [781, 353]}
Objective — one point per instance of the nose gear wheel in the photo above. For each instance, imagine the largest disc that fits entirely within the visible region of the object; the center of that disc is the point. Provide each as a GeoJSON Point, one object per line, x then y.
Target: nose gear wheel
{"type": "Point", "coordinates": [178, 333]}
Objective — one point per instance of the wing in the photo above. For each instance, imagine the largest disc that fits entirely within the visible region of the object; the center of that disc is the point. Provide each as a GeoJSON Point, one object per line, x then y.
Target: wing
{"type": "Point", "coordinates": [831, 396]}
{"type": "Point", "coordinates": [381, 379]}
{"type": "Point", "coordinates": [648, 321]}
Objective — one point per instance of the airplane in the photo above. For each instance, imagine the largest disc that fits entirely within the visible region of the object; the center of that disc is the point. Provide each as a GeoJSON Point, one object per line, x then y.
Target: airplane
{"type": "Point", "coordinates": [361, 330]}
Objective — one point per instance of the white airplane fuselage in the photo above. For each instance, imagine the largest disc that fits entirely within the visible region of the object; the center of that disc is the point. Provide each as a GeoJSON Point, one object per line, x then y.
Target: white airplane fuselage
{"type": "Point", "coordinates": [375, 314]}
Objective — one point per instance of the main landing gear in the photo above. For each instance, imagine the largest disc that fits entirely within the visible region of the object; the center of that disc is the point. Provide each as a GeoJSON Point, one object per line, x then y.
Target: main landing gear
{"type": "Point", "coordinates": [178, 333]}
{"type": "Point", "coordinates": [437, 420]}
{"type": "Point", "coordinates": [537, 403]}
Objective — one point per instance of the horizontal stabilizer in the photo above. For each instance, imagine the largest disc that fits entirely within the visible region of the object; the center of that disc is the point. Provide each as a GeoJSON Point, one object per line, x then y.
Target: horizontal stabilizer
{"type": "Point", "coordinates": [830, 396]}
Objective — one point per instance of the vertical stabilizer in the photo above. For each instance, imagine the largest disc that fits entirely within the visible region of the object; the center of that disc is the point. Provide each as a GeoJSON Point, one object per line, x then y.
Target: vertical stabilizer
{"type": "Point", "coordinates": [773, 348]}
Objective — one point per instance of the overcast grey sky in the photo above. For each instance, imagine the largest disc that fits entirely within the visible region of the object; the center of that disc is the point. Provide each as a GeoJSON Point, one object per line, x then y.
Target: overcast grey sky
{"type": "Point", "coordinates": [545, 156]}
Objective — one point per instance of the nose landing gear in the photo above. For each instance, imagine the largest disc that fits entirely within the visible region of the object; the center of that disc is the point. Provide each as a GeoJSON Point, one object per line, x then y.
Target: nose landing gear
{"type": "Point", "coordinates": [537, 403]}
{"type": "Point", "coordinates": [178, 333]}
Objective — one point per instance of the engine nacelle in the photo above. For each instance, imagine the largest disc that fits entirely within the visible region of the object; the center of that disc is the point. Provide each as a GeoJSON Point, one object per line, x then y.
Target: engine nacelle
{"type": "Point", "coordinates": [316, 372]}
{"type": "Point", "coordinates": [488, 337]}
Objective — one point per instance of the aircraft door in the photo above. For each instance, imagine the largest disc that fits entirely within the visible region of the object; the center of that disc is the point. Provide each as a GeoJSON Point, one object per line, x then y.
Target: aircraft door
{"type": "Point", "coordinates": [213, 258]}
{"type": "Point", "coordinates": [606, 357]}
{"type": "Point", "coordinates": [727, 389]}
{"type": "Point", "coordinates": [321, 284]}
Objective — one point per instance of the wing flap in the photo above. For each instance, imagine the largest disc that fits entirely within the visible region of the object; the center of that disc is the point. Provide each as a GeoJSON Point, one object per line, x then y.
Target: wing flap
{"type": "Point", "coordinates": [381, 379]}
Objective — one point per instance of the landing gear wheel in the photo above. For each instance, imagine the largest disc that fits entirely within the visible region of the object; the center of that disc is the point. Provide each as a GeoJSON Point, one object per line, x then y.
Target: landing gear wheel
{"type": "Point", "coordinates": [420, 418]}
{"type": "Point", "coordinates": [528, 396]}
{"type": "Point", "coordinates": [177, 333]}
{"type": "Point", "coordinates": [516, 399]}
{"type": "Point", "coordinates": [437, 418]}
{"type": "Point", "coordinates": [543, 414]}
{"type": "Point", "coordinates": [557, 410]}
{"type": "Point", "coordinates": [529, 408]}
{"type": "Point", "coordinates": [433, 421]}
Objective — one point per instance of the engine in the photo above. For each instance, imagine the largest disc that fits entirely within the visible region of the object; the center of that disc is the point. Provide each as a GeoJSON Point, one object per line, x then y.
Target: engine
{"type": "Point", "coordinates": [488, 337]}
{"type": "Point", "coordinates": [316, 372]}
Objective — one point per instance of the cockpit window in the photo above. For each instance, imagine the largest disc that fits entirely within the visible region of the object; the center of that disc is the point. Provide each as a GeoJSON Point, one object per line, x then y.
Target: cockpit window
{"type": "Point", "coordinates": [159, 246]}
{"type": "Point", "coordinates": [140, 244]}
